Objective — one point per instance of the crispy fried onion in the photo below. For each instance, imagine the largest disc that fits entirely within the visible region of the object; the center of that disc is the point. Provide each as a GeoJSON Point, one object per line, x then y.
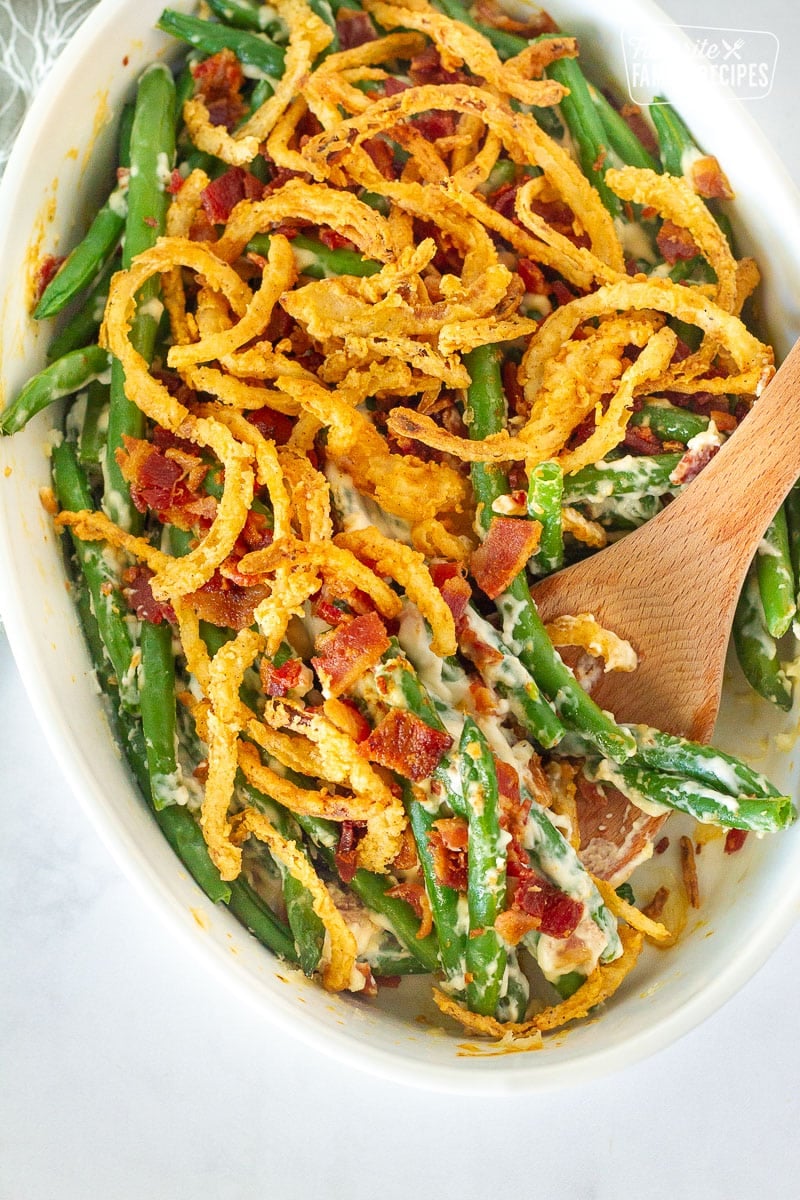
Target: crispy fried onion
{"type": "Point", "coordinates": [308, 36]}
{"type": "Point", "coordinates": [599, 986]}
{"type": "Point", "coordinates": [675, 200]}
{"type": "Point", "coordinates": [630, 914]}
{"type": "Point", "coordinates": [519, 133]}
{"type": "Point", "coordinates": [296, 200]}
{"type": "Point", "coordinates": [753, 361]}
{"type": "Point", "coordinates": [583, 630]}
{"type": "Point", "coordinates": [341, 944]}
{"type": "Point", "coordinates": [400, 484]}
{"type": "Point", "coordinates": [409, 569]}
{"type": "Point", "coordinates": [458, 44]}
{"type": "Point", "coordinates": [344, 763]}
{"type": "Point", "coordinates": [222, 728]}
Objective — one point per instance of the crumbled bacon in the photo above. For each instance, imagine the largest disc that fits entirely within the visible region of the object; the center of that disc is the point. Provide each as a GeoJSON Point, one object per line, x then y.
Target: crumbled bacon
{"type": "Point", "coordinates": [370, 988]}
{"type": "Point", "coordinates": [438, 123]}
{"type": "Point", "coordinates": [347, 850]}
{"type": "Point", "coordinates": [456, 592]}
{"type": "Point", "coordinates": [447, 841]}
{"type": "Point", "coordinates": [504, 201]}
{"type": "Point", "coordinates": [218, 80]}
{"type": "Point", "coordinates": [561, 293]}
{"type": "Point", "coordinates": [223, 602]}
{"type": "Point", "coordinates": [556, 914]}
{"type": "Point", "coordinates": [675, 242]}
{"type": "Point", "coordinates": [404, 743]}
{"type": "Point", "coordinates": [692, 463]}
{"type": "Point", "coordinates": [415, 895]}
{"type": "Point", "coordinates": [709, 180]}
{"type": "Point", "coordinates": [642, 440]}
{"type": "Point", "coordinates": [166, 481]}
{"type": "Point", "coordinates": [427, 68]}
{"type": "Point", "coordinates": [531, 275]}
{"type": "Point", "coordinates": [176, 182]}
{"type": "Point", "coordinates": [346, 652]}
{"type": "Point", "coordinates": [354, 28]}
{"type": "Point", "coordinates": [273, 425]}
{"type": "Point", "coordinates": [504, 552]}
{"type": "Point", "coordinates": [139, 594]}
{"type": "Point", "coordinates": [382, 156]}
{"type": "Point", "coordinates": [734, 840]}
{"type": "Point", "coordinates": [632, 115]}
{"type": "Point", "coordinates": [513, 388]}
{"type": "Point", "coordinates": [222, 195]}
{"type": "Point", "coordinates": [334, 240]}
{"type": "Point", "coordinates": [393, 86]}
{"type": "Point", "coordinates": [46, 271]}
{"type": "Point", "coordinates": [279, 681]}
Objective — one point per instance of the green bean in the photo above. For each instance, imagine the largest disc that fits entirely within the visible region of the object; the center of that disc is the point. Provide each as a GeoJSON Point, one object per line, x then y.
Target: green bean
{"type": "Point", "coordinates": [176, 823]}
{"type": "Point", "coordinates": [503, 172]}
{"type": "Point", "coordinates": [621, 138]}
{"type": "Point", "coordinates": [83, 326]}
{"type": "Point", "coordinates": [152, 153]}
{"type": "Point", "coordinates": [389, 958]}
{"type": "Point", "coordinates": [92, 437]}
{"type": "Point", "coordinates": [586, 128]}
{"type": "Point", "coordinates": [653, 791]}
{"type": "Point", "coordinates": [513, 682]}
{"type": "Point", "coordinates": [645, 475]}
{"type": "Point", "coordinates": [259, 18]}
{"type": "Point", "coordinates": [506, 44]}
{"type": "Point", "coordinates": [623, 513]}
{"type": "Point", "coordinates": [256, 916]}
{"type": "Point", "coordinates": [318, 260]}
{"type": "Point", "coordinates": [516, 992]}
{"type": "Point", "coordinates": [696, 269]}
{"type": "Point", "coordinates": [667, 752]}
{"type": "Point", "coordinates": [545, 493]}
{"type": "Point", "coordinates": [792, 507]}
{"type": "Point", "coordinates": [62, 378]}
{"type": "Point", "coordinates": [776, 579]}
{"type": "Point", "coordinates": [157, 707]}
{"type": "Point", "coordinates": [756, 649]}
{"type": "Point", "coordinates": [669, 422]}
{"type": "Point", "coordinates": [253, 50]}
{"type": "Point", "coordinates": [108, 604]}
{"type": "Point", "coordinates": [486, 870]}
{"type": "Point", "coordinates": [675, 141]}
{"type": "Point", "coordinates": [523, 630]}
{"type": "Point", "coordinates": [371, 890]}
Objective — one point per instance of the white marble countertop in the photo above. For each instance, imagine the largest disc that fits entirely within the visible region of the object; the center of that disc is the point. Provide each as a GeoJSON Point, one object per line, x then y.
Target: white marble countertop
{"type": "Point", "coordinates": [130, 1071]}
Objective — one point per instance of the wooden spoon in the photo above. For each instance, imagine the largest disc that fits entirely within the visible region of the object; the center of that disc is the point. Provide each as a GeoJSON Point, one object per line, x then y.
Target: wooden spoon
{"type": "Point", "coordinates": [671, 587]}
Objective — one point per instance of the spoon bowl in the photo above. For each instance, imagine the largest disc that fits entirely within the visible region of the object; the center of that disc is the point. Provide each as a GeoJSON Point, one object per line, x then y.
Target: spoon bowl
{"type": "Point", "coordinates": [670, 587]}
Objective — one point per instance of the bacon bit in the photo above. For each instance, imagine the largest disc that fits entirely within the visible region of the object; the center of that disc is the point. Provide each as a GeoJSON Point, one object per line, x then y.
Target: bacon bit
{"type": "Point", "coordinates": [222, 195]}
{"type": "Point", "coordinates": [734, 840]}
{"type": "Point", "coordinates": [393, 87]}
{"type": "Point", "coordinates": [218, 81]}
{"type": "Point", "coordinates": [45, 272]}
{"type": "Point", "coordinates": [227, 603]}
{"type": "Point", "coordinates": [597, 165]}
{"type": "Point", "coordinates": [642, 440]}
{"type": "Point", "coordinates": [512, 925]}
{"type": "Point", "coordinates": [407, 858]}
{"type": "Point", "coordinates": [448, 841]}
{"type": "Point", "coordinates": [556, 914]}
{"type": "Point", "coordinates": [476, 650]}
{"type": "Point", "coordinates": [436, 124]}
{"type": "Point", "coordinates": [632, 115]}
{"type": "Point", "coordinates": [345, 716]}
{"type": "Point", "coordinates": [415, 895]}
{"type": "Point", "coordinates": [151, 221]}
{"type": "Point", "coordinates": [661, 845]}
{"type": "Point", "coordinates": [504, 201]}
{"type": "Point", "coordinates": [388, 981]}
{"type": "Point", "coordinates": [382, 156]}
{"type": "Point", "coordinates": [165, 482]}
{"type": "Point", "coordinates": [345, 653]}
{"type": "Point", "coordinates": [531, 275]}
{"type": "Point", "coordinates": [200, 773]}
{"type": "Point", "coordinates": [504, 552]}
{"type": "Point", "coordinates": [709, 180]}
{"type": "Point", "coordinates": [139, 595]}
{"type": "Point", "coordinates": [404, 743]}
{"type": "Point", "coordinates": [482, 699]}
{"type": "Point", "coordinates": [370, 988]}
{"type": "Point", "coordinates": [427, 68]}
{"type": "Point", "coordinates": [689, 871]}
{"type": "Point", "coordinates": [176, 182]}
{"type": "Point", "coordinates": [692, 463]}
{"type": "Point", "coordinates": [675, 242]}
{"type": "Point", "coordinates": [347, 850]}
{"type": "Point", "coordinates": [455, 590]}
{"type": "Point", "coordinates": [726, 422]}
{"type": "Point", "coordinates": [354, 28]}
{"type": "Point", "coordinates": [656, 906]}
{"type": "Point", "coordinates": [279, 681]}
